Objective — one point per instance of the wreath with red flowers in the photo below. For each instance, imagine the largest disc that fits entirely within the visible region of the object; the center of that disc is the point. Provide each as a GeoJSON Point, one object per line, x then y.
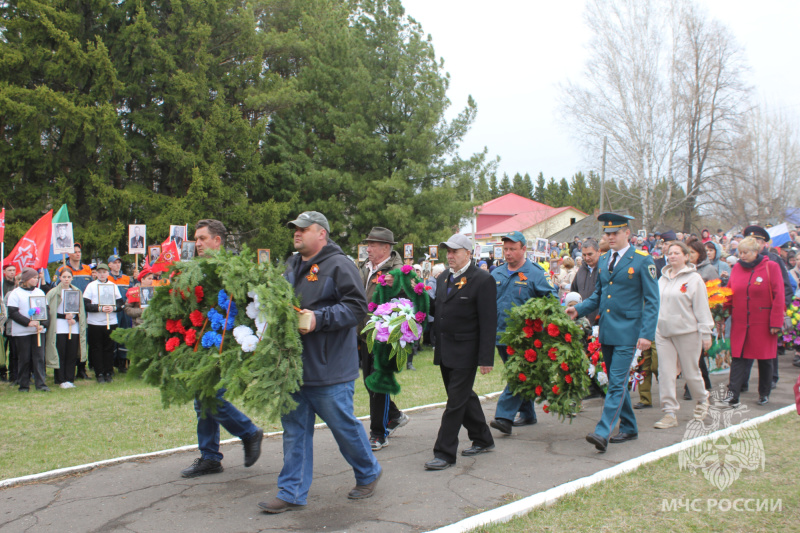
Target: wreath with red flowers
{"type": "Point", "coordinates": [546, 362]}
{"type": "Point", "coordinates": [187, 343]}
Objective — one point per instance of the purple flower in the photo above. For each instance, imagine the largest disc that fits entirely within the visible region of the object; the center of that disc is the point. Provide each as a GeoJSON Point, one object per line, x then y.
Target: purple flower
{"type": "Point", "coordinates": [420, 316]}
{"type": "Point", "coordinates": [384, 309]}
{"type": "Point", "coordinates": [797, 341]}
{"type": "Point", "coordinates": [787, 338]}
{"type": "Point", "coordinates": [419, 288]}
{"type": "Point", "coordinates": [408, 335]}
{"type": "Point", "coordinates": [382, 333]}
{"type": "Point", "coordinates": [403, 301]}
{"type": "Point", "coordinates": [372, 306]}
{"type": "Point", "coordinates": [405, 269]}
{"type": "Point", "coordinates": [382, 280]}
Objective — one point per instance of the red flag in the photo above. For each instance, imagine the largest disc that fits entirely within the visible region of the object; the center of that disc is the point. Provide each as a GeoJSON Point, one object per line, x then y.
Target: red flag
{"type": "Point", "coordinates": [3, 224]}
{"type": "Point", "coordinates": [169, 255]}
{"type": "Point", "coordinates": [33, 249]}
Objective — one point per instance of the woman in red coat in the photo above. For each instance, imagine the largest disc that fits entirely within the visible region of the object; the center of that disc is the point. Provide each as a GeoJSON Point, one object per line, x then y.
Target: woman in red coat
{"type": "Point", "coordinates": [756, 319]}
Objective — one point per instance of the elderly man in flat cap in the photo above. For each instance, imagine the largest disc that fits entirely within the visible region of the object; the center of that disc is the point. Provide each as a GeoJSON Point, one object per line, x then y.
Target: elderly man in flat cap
{"type": "Point", "coordinates": [384, 416]}
{"type": "Point", "coordinates": [465, 313]}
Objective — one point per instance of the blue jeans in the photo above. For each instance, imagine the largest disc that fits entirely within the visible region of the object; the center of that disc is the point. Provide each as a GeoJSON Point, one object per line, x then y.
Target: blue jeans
{"type": "Point", "coordinates": [618, 400]}
{"type": "Point", "coordinates": [228, 417]}
{"type": "Point", "coordinates": [508, 405]}
{"type": "Point", "coordinates": [334, 405]}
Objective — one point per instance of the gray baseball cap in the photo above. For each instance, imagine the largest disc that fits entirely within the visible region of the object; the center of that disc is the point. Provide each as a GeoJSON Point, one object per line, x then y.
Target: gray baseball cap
{"type": "Point", "coordinates": [307, 218]}
{"type": "Point", "coordinates": [457, 241]}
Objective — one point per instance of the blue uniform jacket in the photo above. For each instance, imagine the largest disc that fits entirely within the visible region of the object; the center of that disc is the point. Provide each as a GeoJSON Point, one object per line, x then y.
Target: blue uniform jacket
{"type": "Point", "coordinates": [513, 291]}
{"type": "Point", "coordinates": [627, 301]}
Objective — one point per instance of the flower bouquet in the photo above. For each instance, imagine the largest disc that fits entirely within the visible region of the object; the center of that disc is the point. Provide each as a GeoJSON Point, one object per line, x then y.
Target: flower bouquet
{"type": "Point", "coordinates": [791, 335]}
{"type": "Point", "coordinates": [194, 340]}
{"type": "Point", "coordinates": [398, 319]}
{"type": "Point", "coordinates": [597, 366]}
{"type": "Point", "coordinates": [720, 300]}
{"type": "Point", "coordinates": [547, 362]}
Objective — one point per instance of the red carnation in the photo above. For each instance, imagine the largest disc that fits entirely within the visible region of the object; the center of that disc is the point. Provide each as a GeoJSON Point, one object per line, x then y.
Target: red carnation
{"type": "Point", "coordinates": [538, 325]}
{"type": "Point", "coordinates": [553, 353]}
{"type": "Point", "coordinates": [555, 389]}
{"type": "Point", "coordinates": [173, 343]}
{"type": "Point", "coordinates": [546, 408]}
{"type": "Point", "coordinates": [175, 326]}
{"type": "Point", "coordinates": [199, 293]}
{"type": "Point", "coordinates": [564, 367]}
{"type": "Point", "coordinates": [191, 337]}
{"type": "Point", "coordinates": [539, 390]}
{"type": "Point", "coordinates": [595, 358]}
{"type": "Point", "coordinates": [522, 377]}
{"type": "Point", "coordinates": [568, 378]}
{"type": "Point", "coordinates": [528, 331]}
{"type": "Point", "coordinates": [568, 337]}
{"type": "Point", "coordinates": [528, 322]}
{"type": "Point", "coordinates": [530, 355]}
{"type": "Point", "coordinates": [196, 317]}
{"type": "Point", "coordinates": [594, 346]}
{"type": "Point", "coordinates": [604, 366]}
{"type": "Point", "coordinates": [552, 330]}
{"type": "Point", "coordinates": [510, 350]}
{"type": "Point", "coordinates": [537, 343]}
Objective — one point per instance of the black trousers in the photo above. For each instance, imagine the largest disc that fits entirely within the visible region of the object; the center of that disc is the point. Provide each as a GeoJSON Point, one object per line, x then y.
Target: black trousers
{"type": "Point", "coordinates": [463, 409]}
{"type": "Point", "coordinates": [68, 350]}
{"type": "Point", "coordinates": [13, 360]}
{"type": "Point", "coordinates": [30, 359]}
{"type": "Point", "coordinates": [740, 374]}
{"type": "Point", "coordinates": [101, 348]}
{"type": "Point", "coordinates": [704, 371]}
{"type": "Point", "coordinates": [774, 370]}
{"type": "Point", "coordinates": [381, 407]}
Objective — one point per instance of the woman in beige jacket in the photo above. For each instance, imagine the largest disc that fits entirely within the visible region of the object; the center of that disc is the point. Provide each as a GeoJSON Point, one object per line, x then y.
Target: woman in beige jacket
{"type": "Point", "coordinates": [684, 327]}
{"type": "Point", "coordinates": [565, 277]}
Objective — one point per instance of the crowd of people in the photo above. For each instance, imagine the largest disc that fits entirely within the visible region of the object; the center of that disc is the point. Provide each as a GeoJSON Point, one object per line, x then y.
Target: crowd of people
{"type": "Point", "coordinates": [642, 295]}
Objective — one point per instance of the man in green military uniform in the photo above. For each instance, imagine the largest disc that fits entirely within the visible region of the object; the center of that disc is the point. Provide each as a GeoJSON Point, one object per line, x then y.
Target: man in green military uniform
{"type": "Point", "coordinates": [626, 298]}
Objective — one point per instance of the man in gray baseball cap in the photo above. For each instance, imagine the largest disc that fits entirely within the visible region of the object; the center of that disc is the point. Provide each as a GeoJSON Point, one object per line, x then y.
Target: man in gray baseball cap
{"type": "Point", "coordinates": [307, 218]}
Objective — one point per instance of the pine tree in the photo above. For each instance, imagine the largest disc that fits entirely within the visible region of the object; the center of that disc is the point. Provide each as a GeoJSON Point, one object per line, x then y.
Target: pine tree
{"type": "Point", "coordinates": [493, 187]}
{"type": "Point", "coordinates": [563, 193]}
{"type": "Point", "coordinates": [505, 185]}
{"type": "Point", "coordinates": [539, 193]}
{"type": "Point", "coordinates": [528, 186]}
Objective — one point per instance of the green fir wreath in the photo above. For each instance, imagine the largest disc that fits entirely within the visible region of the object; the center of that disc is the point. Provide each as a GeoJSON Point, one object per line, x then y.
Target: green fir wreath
{"type": "Point", "coordinates": [176, 349]}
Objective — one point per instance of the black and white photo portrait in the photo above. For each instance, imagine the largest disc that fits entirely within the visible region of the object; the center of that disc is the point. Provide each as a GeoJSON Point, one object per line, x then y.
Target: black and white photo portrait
{"type": "Point", "coordinates": [145, 295]}
{"type": "Point", "coordinates": [136, 239]}
{"type": "Point", "coordinates": [62, 238]}
{"type": "Point", "coordinates": [72, 301]}
{"type": "Point", "coordinates": [106, 294]}
{"type": "Point", "coordinates": [187, 250]}
{"type": "Point", "coordinates": [154, 253]}
{"type": "Point", "coordinates": [177, 234]}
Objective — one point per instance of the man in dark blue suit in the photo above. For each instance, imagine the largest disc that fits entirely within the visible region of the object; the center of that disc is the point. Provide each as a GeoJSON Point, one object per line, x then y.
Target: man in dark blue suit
{"type": "Point", "coordinates": [627, 300]}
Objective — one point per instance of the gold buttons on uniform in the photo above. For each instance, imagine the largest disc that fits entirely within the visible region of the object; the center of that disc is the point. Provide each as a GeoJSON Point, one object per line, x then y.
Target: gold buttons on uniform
{"type": "Point", "coordinates": [609, 296]}
{"type": "Point", "coordinates": [608, 310]}
{"type": "Point", "coordinates": [610, 282]}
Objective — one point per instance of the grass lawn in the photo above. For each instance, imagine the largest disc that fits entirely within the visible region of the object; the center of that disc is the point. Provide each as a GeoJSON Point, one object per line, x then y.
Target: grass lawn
{"type": "Point", "coordinates": [67, 427]}
{"type": "Point", "coordinates": [633, 502]}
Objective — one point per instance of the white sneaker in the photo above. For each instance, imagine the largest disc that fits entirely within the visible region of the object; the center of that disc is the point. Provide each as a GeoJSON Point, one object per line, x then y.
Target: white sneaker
{"type": "Point", "coordinates": [701, 410]}
{"type": "Point", "coordinates": [65, 385]}
{"type": "Point", "coordinates": [669, 421]}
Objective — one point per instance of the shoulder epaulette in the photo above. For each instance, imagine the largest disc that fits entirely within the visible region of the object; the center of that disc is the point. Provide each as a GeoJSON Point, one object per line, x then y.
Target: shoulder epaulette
{"type": "Point", "coordinates": [642, 252]}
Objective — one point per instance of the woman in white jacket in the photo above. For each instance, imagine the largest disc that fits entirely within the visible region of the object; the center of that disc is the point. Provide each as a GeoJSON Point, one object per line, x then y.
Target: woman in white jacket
{"type": "Point", "coordinates": [684, 327]}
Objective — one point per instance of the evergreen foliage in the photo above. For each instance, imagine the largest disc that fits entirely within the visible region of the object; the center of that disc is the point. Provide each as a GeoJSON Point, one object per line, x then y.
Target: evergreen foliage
{"type": "Point", "coordinates": [264, 379]}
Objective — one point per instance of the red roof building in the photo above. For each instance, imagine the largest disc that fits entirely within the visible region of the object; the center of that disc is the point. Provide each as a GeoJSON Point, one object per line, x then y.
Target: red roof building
{"type": "Point", "coordinates": [512, 212]}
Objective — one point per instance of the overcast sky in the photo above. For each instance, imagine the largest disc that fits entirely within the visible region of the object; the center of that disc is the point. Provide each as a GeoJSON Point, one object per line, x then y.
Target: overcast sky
{"type": "Point", "coordinates": [510, 55]}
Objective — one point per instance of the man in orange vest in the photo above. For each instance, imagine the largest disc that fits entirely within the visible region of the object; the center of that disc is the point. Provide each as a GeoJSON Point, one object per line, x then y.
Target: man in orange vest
{"type": "Point", "coordinates": [124, 282]}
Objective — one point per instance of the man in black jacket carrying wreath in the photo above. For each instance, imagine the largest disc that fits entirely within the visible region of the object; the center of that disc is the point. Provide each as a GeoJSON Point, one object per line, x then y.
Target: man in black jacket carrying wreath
{"type": "Point", "coordinates": [330, 292]}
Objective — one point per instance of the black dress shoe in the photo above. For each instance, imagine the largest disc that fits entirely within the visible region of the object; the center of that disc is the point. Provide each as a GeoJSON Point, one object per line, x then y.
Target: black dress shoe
{"type": "Point", "coordinates": [764, 400]}
{"type": "Point", "coordinates": [252, 448]}
{"type": "Point", "coordinates": [201, 467]}
{"type": "Point", "coordinates": [519, 421]}
{"type": "Point", "coordinates": [641, 405]}
{"type": "Point", "coordinates": [502, 425]}
{"type": "Point", "coordinates": [599, 442]}
{"type": "Point", "coordinates": [622, 437]}
{"type": "Point", "coordinates": [437, 464]}
{"type": "Point", "coordinates": [476, 450]}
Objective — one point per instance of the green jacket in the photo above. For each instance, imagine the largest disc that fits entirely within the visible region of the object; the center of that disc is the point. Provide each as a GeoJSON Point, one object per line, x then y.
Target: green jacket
{"type": "Point", "coordinates": [50, 351]}
{"type": "Point", "coordinates": [370, 282]}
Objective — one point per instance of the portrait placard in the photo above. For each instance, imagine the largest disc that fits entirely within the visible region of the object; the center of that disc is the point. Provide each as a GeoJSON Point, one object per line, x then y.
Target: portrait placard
{"type": "Point", "coordinates": [541, 247]}
{"type": "Point", "coordinates": [177, 234]}
{"type": "Point", "coordinates": [362, 253]}
{"type": "Point", "coordinates": [263, 255]}
{"type": "Point", "coordinates": [145, 295]}
{"type": "Point", "coordinates": [498, 252]}
{"type": "Point", "coordinates": [72, 301]}
{"type": "Point", "coordinates": [62, 238]}
{"type": "Point", "coordinates": [106, 295]}
{"type": "Point", "coordinates": [433, 251]}
{"type": "Point", "coordinates": [38, 308]}
{"type": "Point", "coordinates": [137, 239]}
{"type": "Point", "coordinates": [408, 251]}
{"type": "Point", "coordinates": [153, 253]}
{"type": "Point", "coordinates": [187, 250]}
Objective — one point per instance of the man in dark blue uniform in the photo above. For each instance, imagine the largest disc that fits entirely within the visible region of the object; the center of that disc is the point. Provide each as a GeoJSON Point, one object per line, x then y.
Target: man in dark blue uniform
{"type": "Point", "coordinates": [627, 300]}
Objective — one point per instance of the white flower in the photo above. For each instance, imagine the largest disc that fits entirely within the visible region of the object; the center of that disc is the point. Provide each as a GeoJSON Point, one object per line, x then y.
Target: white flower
{"type": "Point", "coordinates": [252, 295]}
{"type": "Point", "coordinates": [261, 328]}
{"type": "Point", "coordinates": [591, 370]}
{"type": "Point", "coordinates": [252, 310]}
{"type": "Point", "coordinates": [602, 379]}
{"type": "Point", "coordinates": [249, 343]}
{"type": "Point", "coordinates": [240, 332]}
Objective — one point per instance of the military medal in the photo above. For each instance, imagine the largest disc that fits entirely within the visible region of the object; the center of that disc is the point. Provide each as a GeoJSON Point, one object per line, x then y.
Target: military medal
{"type": "Point", "coordinates": [630, 273]}
{"type": "Point", "coordinates": [759, 280]}
{"type": "Point", "coordinates": [314, 272]}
